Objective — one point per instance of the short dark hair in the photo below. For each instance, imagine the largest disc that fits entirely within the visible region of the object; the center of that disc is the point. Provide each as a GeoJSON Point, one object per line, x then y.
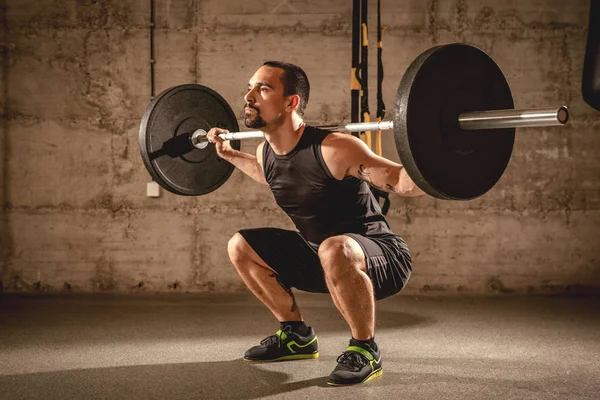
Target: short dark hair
{"type": "Point", "coordinates": [294, 81]}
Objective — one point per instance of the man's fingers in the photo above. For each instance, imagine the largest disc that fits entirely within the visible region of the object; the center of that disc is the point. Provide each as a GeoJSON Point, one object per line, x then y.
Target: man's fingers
{"type": "Point", "coordinates": [213, 135]}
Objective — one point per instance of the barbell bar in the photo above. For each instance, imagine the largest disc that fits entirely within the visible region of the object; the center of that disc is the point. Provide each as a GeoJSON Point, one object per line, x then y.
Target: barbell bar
{"type": "Point", "coordinates": [448, 97]}
{"type": "Point", "coordinates": [199, 140]}
{"type": "Point", "coordinates": [479, 120]}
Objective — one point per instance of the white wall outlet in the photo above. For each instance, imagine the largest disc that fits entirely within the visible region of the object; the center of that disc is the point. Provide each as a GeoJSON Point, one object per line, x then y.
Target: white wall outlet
{"type": "Point", "coordinates": [152, 189]}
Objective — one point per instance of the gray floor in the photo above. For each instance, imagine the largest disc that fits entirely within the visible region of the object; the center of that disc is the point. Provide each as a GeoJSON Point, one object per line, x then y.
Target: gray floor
{"type": "Point", "coordinates": [190, 347]}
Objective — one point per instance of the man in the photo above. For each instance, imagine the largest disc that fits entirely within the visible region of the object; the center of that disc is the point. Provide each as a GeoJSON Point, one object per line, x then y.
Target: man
{"type": "Point", "coordinates": [344, 245]}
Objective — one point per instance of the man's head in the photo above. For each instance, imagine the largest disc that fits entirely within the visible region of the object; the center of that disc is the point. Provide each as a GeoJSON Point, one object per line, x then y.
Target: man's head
{"type": "Point", "coordinates": [275, 89]}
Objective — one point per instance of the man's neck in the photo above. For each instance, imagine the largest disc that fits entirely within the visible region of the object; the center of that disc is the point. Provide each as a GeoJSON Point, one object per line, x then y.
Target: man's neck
{"type": "Point", "coordinates": [285, 137]}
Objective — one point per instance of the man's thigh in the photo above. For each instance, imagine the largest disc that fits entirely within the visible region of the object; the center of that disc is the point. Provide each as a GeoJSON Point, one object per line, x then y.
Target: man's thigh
{"type": "Point", "coordinates": [388, 262]}
{"type": "Point", "coordinates": [294, 259]}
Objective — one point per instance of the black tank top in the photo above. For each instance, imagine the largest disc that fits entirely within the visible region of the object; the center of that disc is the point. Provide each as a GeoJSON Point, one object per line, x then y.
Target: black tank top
{"type": "Point", "coordinates": [319, 204]}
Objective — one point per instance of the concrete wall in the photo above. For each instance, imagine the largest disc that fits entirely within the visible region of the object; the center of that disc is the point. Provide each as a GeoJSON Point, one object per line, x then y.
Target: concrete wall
{"type": "Point", "coordinates": [5, 245]}
{"type": "Point", "coordinates": [76, 80]}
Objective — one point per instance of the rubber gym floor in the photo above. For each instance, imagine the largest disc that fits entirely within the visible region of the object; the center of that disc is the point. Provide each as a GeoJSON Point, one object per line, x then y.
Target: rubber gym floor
{"type": "Point", "coordinates": [191, 346]}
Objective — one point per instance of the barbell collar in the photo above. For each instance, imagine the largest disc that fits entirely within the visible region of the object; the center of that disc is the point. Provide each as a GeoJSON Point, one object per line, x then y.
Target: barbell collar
{"type": "Point", "coordinates": [502, 119]}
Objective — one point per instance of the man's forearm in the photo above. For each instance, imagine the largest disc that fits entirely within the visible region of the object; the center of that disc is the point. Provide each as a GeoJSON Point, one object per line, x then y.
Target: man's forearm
{"type": "Point", "coordinates": [404, 184]}
{"type": "Point", "coordinates": [247, 163]}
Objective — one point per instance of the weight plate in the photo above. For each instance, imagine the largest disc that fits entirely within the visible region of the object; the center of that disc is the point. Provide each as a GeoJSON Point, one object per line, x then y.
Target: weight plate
{"type": "Point", "coordinates": [442, 159]}
{"type": "Point", "coordinates": [165, 145]}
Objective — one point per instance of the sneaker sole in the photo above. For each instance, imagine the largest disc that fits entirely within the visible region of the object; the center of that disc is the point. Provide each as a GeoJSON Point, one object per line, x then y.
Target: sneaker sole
{"type": "Point", "coordinates": [373, 374]}
{"type": "Point", "coordinates": [286, 358]}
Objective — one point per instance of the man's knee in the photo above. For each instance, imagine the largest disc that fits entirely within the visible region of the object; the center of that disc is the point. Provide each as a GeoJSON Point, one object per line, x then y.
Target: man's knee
{"type": "Point", "coordinates": [238, 248]}
{"type": "Point", "coordinates": [240, 251]}
{"type": "Point", "coordinates": [338, 254]}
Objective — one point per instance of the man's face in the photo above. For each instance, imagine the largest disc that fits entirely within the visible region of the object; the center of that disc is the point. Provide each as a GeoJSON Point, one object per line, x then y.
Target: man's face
{"type": "Point", "coordinates": [265, 102]}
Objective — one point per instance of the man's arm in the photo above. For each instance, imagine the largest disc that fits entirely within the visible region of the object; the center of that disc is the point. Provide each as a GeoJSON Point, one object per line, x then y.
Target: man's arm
{"type": "Point", "coordinates": [249, 164]}
{"type": "Point", "coordinates": [347, 155]}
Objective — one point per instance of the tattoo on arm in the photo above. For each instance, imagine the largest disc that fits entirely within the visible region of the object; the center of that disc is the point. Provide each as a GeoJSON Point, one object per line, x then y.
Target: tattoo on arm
{"type": "Point", "coordinates": [365, 175]}
{"type": "Point", "coordinates": [288, 291]}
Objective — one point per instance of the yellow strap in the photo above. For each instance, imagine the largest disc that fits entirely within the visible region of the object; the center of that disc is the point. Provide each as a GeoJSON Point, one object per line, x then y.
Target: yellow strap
{"type": "Point", "coordinates": [354, 83]}
{"type": "Point", "coordinates": [378, 147]}
{"type": "Point", "coordinates": [380, 43]}
{"type": "Point", "coordinates": [366, 135]}
{"type": "Point", "coordinates": [365, 39]}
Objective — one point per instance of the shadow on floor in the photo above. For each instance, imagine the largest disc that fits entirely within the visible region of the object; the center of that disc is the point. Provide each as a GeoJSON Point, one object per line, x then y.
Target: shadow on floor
{"type": "Point", "coordinates": [235, 380]}
{"type": "Point", "coordinates": [238, 380]}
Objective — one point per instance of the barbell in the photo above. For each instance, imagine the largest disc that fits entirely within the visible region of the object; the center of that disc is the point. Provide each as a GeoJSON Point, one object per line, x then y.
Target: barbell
{"type": "Point", "coordinates": [454, 125]}
{"type": "Point", "coordinates": [470, 121]}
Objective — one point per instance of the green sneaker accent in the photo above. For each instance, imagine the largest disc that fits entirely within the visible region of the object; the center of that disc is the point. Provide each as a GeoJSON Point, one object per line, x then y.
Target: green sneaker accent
{"type": "Point", "coordinates": [289, 345]}
{"type": "Point", "coordinates": [361, 351]}
{"type": "Point", "coordinates": [373, 374]}
{"type": "Point", "coordinates": [281, 334]}
{"type": "Point", "coordinates": [365, 353]}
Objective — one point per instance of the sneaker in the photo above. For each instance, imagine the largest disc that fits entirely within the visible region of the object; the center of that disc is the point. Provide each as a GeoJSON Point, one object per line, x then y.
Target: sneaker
{"type": "Point", "coordinates": [285, 345]}
{"type": "Point", "coordinates": [356, 365]}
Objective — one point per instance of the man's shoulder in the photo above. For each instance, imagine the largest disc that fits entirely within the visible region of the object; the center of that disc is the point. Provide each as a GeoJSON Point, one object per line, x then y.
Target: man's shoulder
{"type": "Point", "coordinates": [340, 140]}
{"type": "Point", "coordinates": [337, 141]}
{"type": "Point", "coordinates": [337, 149]}
{"type": "Point", "coordinates": [315, 131]}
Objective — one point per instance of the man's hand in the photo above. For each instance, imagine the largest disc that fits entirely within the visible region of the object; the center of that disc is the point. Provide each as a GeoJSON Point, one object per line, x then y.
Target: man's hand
{"type": "Point", "coordinates": [224, 149]}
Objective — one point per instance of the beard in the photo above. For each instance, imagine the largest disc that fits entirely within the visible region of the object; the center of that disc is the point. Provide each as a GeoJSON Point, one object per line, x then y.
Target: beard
{"type": "Point", "coordinates": [253, 119]}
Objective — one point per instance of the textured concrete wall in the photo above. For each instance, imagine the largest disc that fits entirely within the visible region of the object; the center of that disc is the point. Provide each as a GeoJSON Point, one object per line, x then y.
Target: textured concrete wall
{"type": "Point", "coordinates": [77, 80]}
{"type": "Point", "coordinates": [5, 245]}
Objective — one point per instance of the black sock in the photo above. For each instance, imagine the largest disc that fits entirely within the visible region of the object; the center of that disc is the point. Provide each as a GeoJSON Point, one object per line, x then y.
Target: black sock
{"type": "Point", "coordinates": [298, 327]}
{"type": "Point", "coordinates": [360, 343]}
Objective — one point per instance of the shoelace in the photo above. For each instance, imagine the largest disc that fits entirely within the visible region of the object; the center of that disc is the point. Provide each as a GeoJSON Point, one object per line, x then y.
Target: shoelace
{"type": "Point", "coordinates": [353, 360]}
{"type": "Point", "coordinates": [270, 340]}
{"type": "Point", "coordinates": [275, 338]}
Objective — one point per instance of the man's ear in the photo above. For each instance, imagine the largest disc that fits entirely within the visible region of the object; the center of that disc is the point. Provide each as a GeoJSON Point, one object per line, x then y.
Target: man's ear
{"type": "Point", "coordinates": [293, 102]}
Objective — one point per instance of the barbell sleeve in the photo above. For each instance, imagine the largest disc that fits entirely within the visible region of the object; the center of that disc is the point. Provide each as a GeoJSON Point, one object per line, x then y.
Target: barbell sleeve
{"type": "Point", "coordinates": [366, 126]}
{"type": "Point", "coordinates": [500, 119]}
{"type": "Point", "coordinates": [476, 120]}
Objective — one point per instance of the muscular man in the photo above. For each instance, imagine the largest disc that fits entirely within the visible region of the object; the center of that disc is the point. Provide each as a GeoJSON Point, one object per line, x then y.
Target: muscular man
{"type": "Point", "coordinates": [343, 246]}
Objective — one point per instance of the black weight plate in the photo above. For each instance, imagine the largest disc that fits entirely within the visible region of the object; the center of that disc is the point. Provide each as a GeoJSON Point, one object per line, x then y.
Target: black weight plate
{"type": "Point", "coordinates": [442, 159]}
{"type": "Point", "coordinates": [165, 147]}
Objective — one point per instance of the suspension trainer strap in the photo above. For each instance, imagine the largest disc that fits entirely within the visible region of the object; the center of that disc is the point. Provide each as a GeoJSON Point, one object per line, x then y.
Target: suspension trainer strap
{"type": "Point", "coordinates": [364, 72]}
{"type": "Point", "coordinates": [380, 104]}
{"type": "Point", "coordinates": [380, 107]}
{"type": "Point", "coordinates": [354, 80]}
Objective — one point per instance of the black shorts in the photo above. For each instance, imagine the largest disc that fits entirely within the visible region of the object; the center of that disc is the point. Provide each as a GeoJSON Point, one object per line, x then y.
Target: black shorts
{"type": "Point", "coordinates": [297, 263]}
